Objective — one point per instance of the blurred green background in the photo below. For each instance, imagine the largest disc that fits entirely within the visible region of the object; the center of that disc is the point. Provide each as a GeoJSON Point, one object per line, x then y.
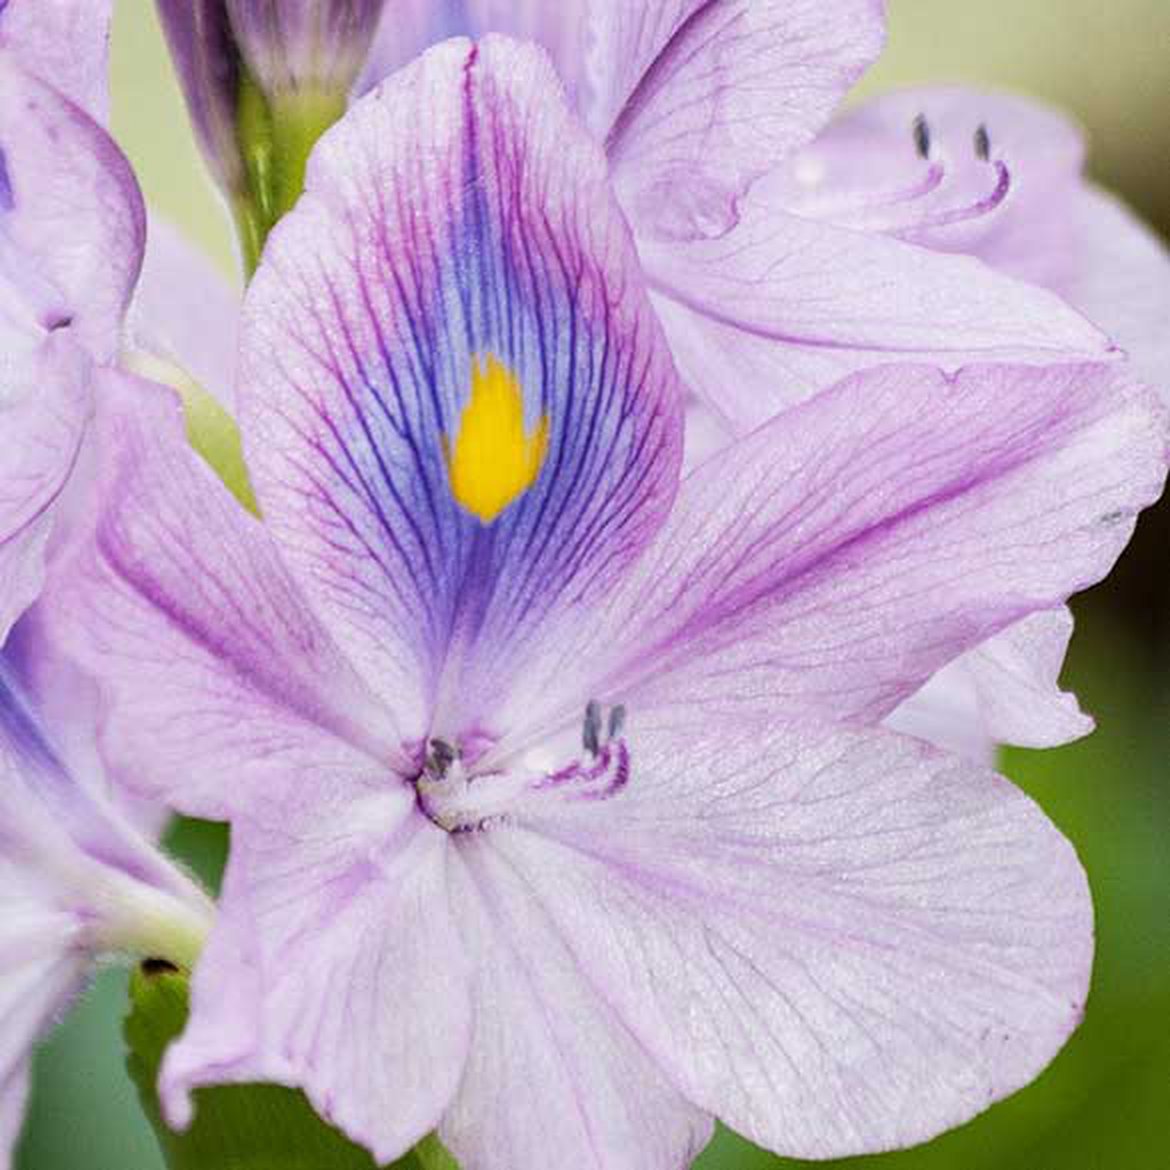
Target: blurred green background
{"type": "Point", "coordinates": [1105, 1102]}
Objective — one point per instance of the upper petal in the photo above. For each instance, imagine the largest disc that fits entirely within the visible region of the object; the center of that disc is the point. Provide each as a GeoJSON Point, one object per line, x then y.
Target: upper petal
{"type": "Point", "coordinates": [782, 306]}
{"type": "Point", "coordinates": [72, 223]}
{"type": "Point", "coordinates": [13, 1096]}
{"type": "Point", "coordinates": [335, 964]}
{"type": "Point", "coordinates": [66, 43]}
{"type": "Point", "coordinates": [460, 414]}
{"type": "Point", "coordinates": [216, 674]}
{"type": "Point", "coordinates": [839, 556]}
{"type": "Point", "coordinates": [552, 1067]}
{"type": "Point", "coordinates": [696, 98]}
{"type": "Point", "coordinates": [839, 942]}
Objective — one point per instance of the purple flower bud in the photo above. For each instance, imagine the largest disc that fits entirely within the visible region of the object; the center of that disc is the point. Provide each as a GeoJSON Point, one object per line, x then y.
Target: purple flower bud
{"type": "Point", "coordinates": [295, 45]}
{"type": "Point", "coordinates": [208, 62]}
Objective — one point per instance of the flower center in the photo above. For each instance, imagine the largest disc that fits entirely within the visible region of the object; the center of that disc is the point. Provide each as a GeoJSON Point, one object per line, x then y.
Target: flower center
{"type": "Point", "coordinates": [461, 798]}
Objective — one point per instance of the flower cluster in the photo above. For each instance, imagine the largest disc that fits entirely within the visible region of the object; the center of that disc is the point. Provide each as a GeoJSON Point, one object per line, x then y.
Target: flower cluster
{"type": "Point", "coordinates": [666, 498]}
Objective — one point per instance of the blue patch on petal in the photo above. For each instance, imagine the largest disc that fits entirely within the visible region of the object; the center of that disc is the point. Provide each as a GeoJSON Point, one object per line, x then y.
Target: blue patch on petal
{"type": "Point", "coordinates": [479, 301]}
{"type": "Point", "coordinates": [7, 195]}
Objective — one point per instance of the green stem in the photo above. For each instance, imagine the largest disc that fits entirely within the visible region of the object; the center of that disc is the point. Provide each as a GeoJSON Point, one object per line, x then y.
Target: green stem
{"type": "Point", "coordinates": [276, 136]}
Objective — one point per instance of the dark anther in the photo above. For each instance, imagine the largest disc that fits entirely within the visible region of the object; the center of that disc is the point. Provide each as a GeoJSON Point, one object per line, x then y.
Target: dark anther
{"type": "Point", "coordinates": [617, 720]}
{"type": "Point", "coordinates": [56, 321]}
{"type": "Point", "coordinates": [591, 732]}
{"type": "Point", "coordinates": [155, 967]}
{"type": "Point", "coordinates": [922, 136]}
{"type": "Point", "coordinates": [440, 757]}
{"type": "Point", "coordinates": [982, 144]}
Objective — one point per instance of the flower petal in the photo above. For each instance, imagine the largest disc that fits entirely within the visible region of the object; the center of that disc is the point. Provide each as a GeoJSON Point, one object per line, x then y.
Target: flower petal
{"type": "Point", "coordinates": [187, 312]}
{"type": "Point", "coordinates": [782, 306]}
{"type": "Point", "coordinates": [460, 414]}
{"type": "Point", "coordinates": [72, 224]}
{"type": "Point", "coordinates": [1006, 690]}
{"type": "Point", "coordinates": [38, 977]}
{"type": "Point", "coordinates": [335, 965]}
{"type": "Point", "coordinates": [44, 410]}
{"type": "Point", "coordinates": [1121, 281]}
{"type": "Point", "coordinates": [837, 941]}
{"type": "Point", "coordinates": [551, 1066]}
{"type": "Point", "coordinates": [951, 168]}
{"type": "Point", "coordinates": [66, 43]}
{"type": "Point", "coordinates": [216, 674]}
{"type": "Point", "coordinates": [839, 556]}
{"type": "Point", "coordinates": [410, 26]}
{"type": "Point", "coordinates": [696, 98]}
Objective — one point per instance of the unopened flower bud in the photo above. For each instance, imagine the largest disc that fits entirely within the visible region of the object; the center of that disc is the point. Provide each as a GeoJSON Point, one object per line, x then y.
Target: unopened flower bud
{"type": "Point", "coordinates": [263, 80]}
{"type": "Point", "coordinates": [298, 46]}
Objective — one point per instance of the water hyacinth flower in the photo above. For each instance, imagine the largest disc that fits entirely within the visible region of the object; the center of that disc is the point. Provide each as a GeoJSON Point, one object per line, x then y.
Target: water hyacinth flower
{"type": "Point", "coordinates": [696, 102]}
{"type": "Point", "coordinates": [998, 177]}
{"type": "Point", "coordinates": [561, 816]}
{"type": "Point", "coordinates": [77, 882]}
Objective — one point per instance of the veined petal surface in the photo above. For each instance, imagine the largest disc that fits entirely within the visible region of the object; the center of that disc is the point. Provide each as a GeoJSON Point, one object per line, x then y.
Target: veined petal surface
{"type": "Point", "coordinates": [410, 26]}
{"type": "Point", "coordinates": [552, 1066]}
{"type": "Point", "coordinates": [217, 675]}
{"type": "Point", "coordinates": [460, 415]}
{"type": "Point", "coordinates": [782, 306]}
{"type": "Point", "coordinates": [837, 557]}
{"type": "Point", "coordinates": [836, 941]}
{"type": "Point", "coordinates": [696, 98]}
{"type": "Point", "coordinates": [72, 222]}
{"type": "Point", "coordinates": [335, 965]}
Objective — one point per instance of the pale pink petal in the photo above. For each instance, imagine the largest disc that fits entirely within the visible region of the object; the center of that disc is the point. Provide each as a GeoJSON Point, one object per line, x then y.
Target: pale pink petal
{"type": "Point", "coordinates": [335, 965]}
{"type": "Point", "coordinates": [836, 941]}
{"type": "Point", "coordinates": [553, 1073]}
{"type": "Point", "coordinates": [216, 676]}
{"type": "Point", "coordinates": [839, 556]}
{"type": "Point", "coordinates": [696, 98]}
{"type": "Point", "coordinates": [72, 223]}
{"type": "Point", "coordinates": [783, 306]}
{"type": "Point", "coordinates": [64, 42]}
{"type": "Point", "coordinates": [457, 217]}
{"type": "Point", "coordinates": [186, 311]}
{"type": "Point", "coordinates": [45, 402]}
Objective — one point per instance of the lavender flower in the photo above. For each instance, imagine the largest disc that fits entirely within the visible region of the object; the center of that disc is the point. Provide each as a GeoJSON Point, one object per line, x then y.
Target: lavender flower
{"type": "Point", "coordinates": [697, 102]}
{"type": "Point", "coordinates": [1000, 178]}
{"type": "Point", "coordinates": [76, 882]}
{"type": "Point", "coordinates": [561, 816]}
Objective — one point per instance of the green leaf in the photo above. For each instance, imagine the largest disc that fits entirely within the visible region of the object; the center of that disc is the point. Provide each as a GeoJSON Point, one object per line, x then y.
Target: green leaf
{"type": "Point", "coordinates": [236, 1127]}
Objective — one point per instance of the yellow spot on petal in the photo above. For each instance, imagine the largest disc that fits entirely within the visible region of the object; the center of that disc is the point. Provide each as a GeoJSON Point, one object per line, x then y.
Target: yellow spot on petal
{"type": "Point", "coordinates": [493, 459]}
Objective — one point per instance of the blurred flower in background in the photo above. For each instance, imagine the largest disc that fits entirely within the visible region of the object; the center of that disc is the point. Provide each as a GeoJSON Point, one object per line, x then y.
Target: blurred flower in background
{"type": "Point", "coordinates": [1102, 1104]}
